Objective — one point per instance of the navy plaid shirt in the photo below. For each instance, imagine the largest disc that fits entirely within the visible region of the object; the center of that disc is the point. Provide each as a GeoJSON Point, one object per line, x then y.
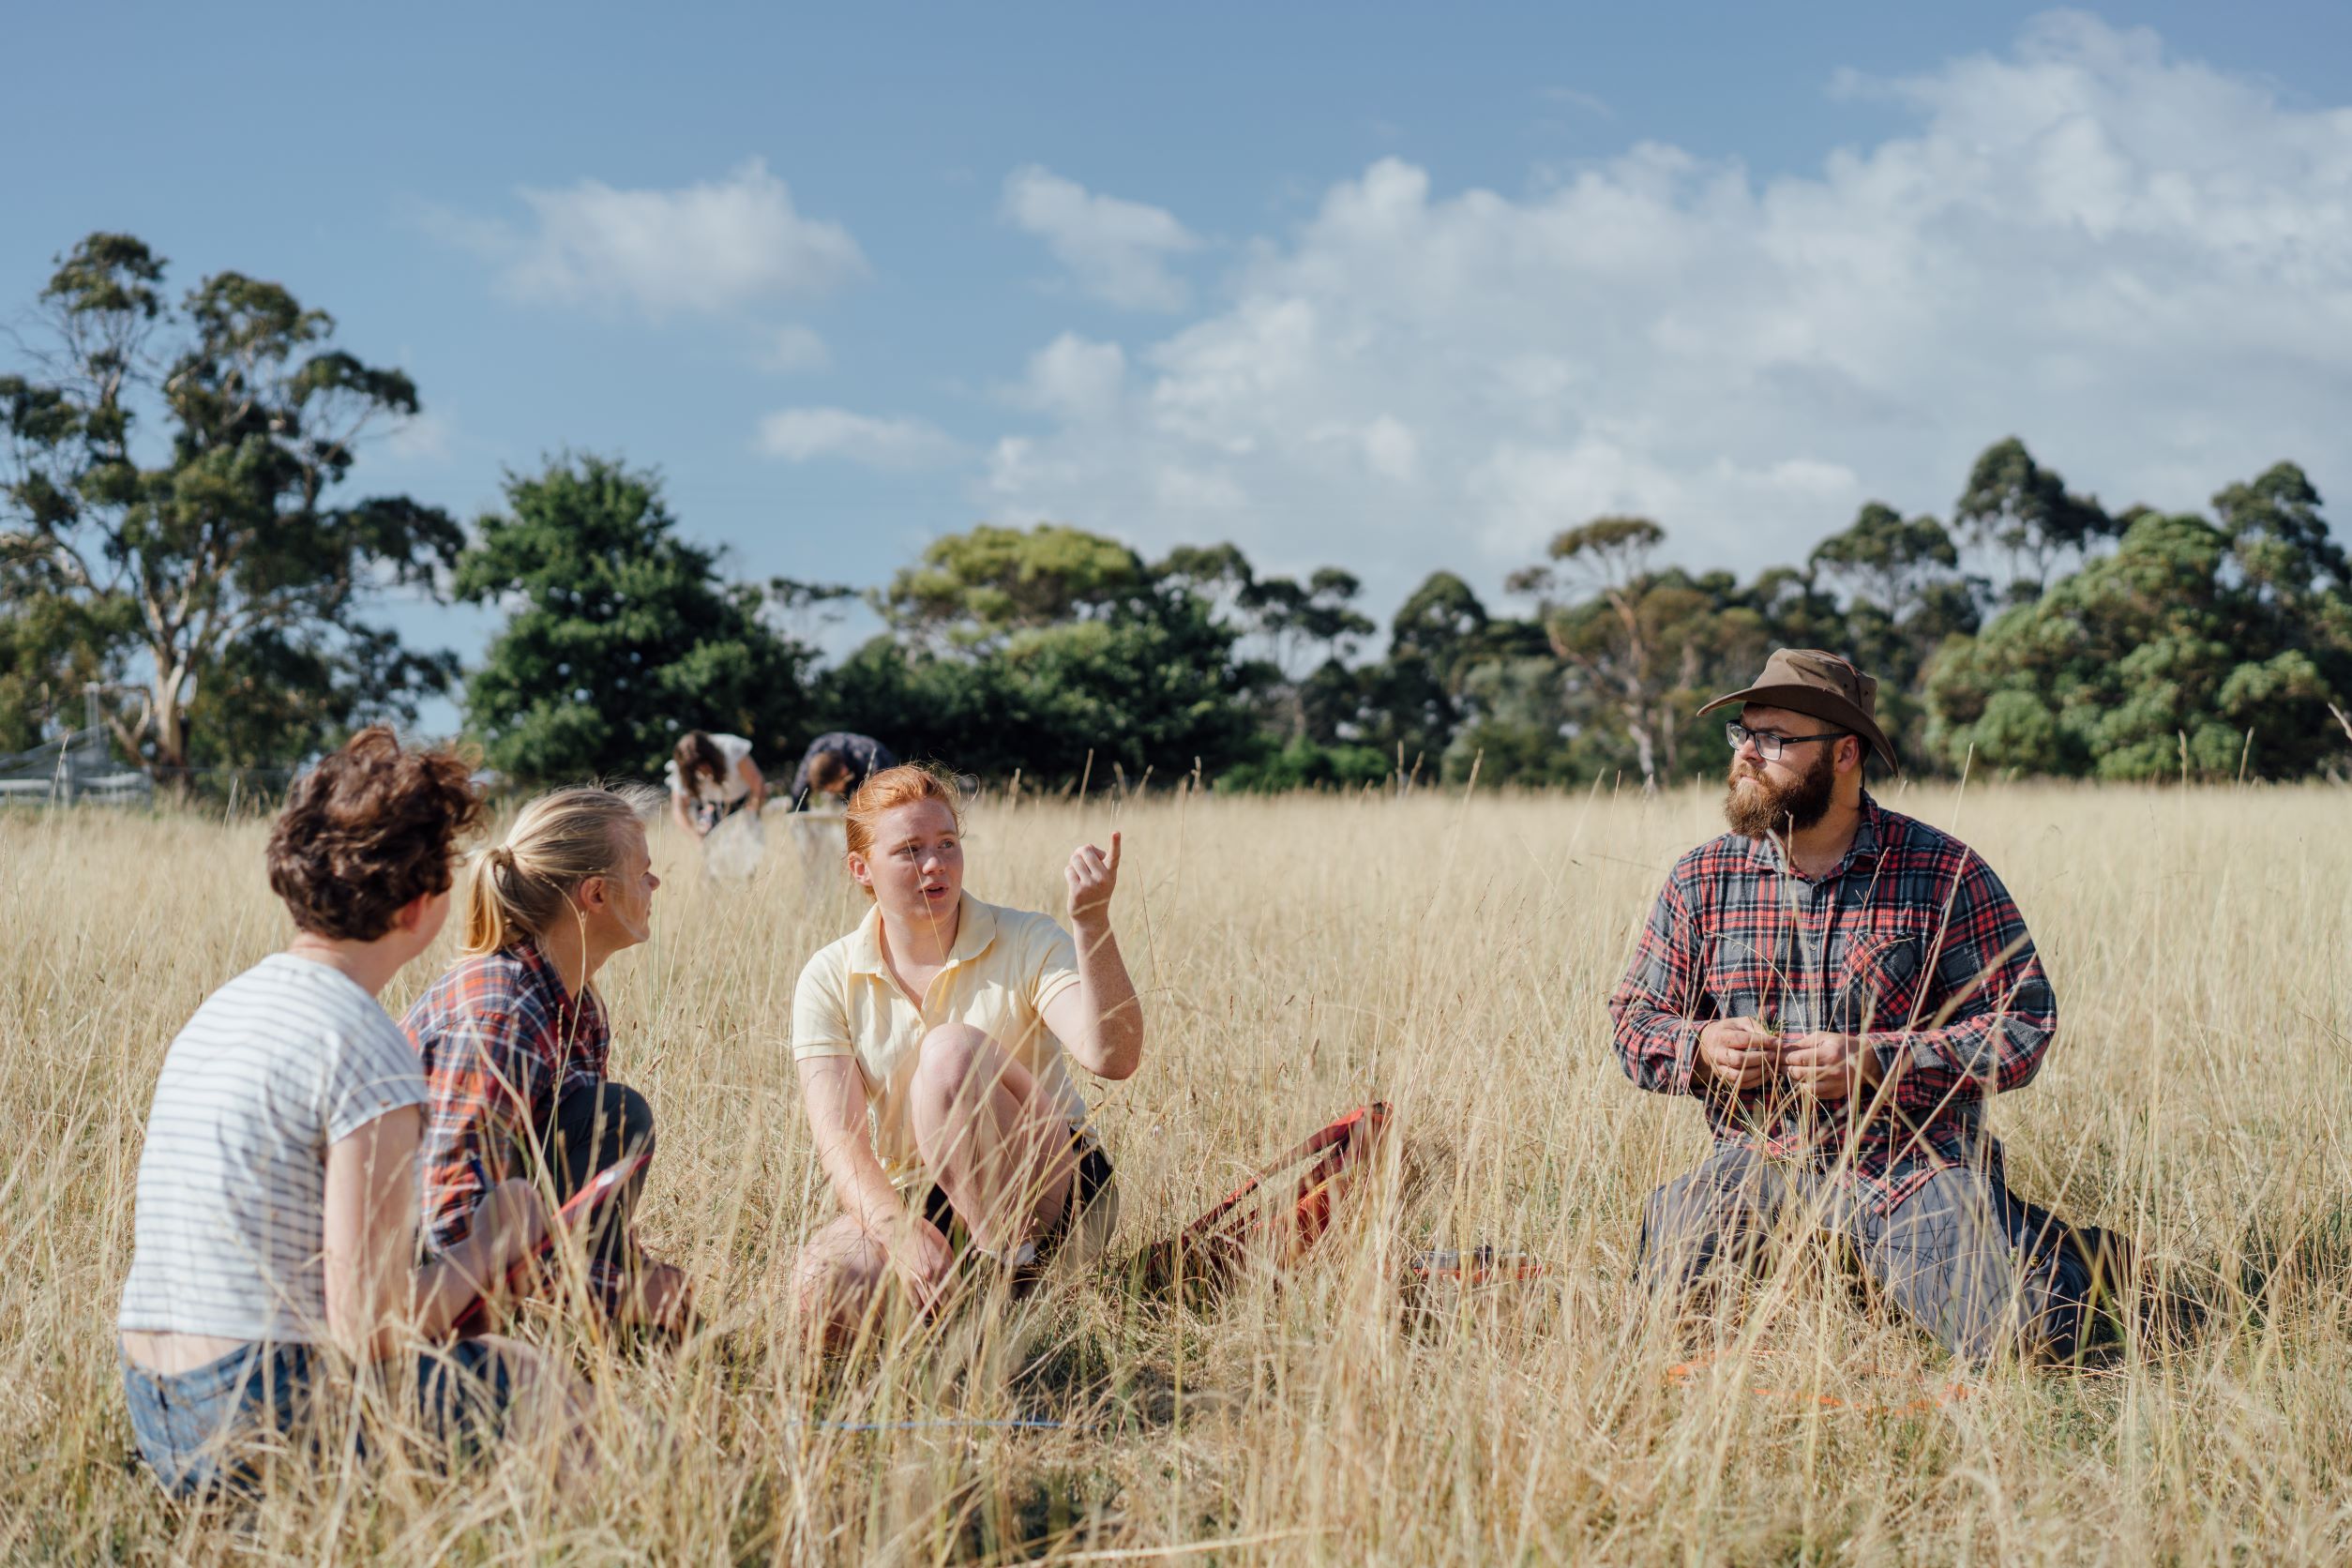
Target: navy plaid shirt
{"type": "Point", "coordinates": [1910, 942]}
{"type": "Point", "coordinates": [865, 756]}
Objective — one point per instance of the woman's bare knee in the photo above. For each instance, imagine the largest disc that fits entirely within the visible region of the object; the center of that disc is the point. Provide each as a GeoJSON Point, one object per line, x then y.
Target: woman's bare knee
{"type": "Point", "coordinates": [820, 1286]}
{"type": "Point", "coordinates": [953, 1055]}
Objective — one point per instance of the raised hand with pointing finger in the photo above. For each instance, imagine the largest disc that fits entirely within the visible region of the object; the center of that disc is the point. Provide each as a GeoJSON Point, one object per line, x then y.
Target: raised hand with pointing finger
{"type": "Point", "coordinates": [1093, 876]}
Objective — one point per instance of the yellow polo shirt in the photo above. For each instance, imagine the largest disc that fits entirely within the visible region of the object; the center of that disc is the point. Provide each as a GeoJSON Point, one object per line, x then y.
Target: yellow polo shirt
{"type": "Point", "coordinates": [1006, 966]}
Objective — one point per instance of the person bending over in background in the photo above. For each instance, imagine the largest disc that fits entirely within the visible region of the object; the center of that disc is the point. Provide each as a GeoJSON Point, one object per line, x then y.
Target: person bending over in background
{"type": "Point", "coordinates": [1844, 988]}
{"type": "Point", "coordinates": [930, 1045]}
{"type": "Point", "coordinates": [514, 1040]}
{"type": "Point", "coordinates": [712, 777]}
{"type": "Point", "coordinates": [275, 1227]}
{"type": "Point", "coordinates": [837, 765]}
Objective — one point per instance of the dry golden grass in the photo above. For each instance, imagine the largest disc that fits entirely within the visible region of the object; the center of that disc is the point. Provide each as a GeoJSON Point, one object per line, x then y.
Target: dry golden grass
{"type": "Point", "coordinates": [1299, 957]}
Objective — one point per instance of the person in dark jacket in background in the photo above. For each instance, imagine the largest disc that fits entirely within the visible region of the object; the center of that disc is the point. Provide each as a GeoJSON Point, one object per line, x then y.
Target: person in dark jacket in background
{"type": "Point", "coordinates": [835, 765]}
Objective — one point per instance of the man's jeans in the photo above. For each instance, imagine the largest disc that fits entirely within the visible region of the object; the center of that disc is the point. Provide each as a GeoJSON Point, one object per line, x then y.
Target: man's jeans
{"type": "Point", "coordinates": [1960, 1256]}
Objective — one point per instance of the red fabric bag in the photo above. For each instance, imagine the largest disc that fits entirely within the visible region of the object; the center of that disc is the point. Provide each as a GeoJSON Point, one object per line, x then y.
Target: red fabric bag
{"type": "Point", "coordinates": [1208, 1254]}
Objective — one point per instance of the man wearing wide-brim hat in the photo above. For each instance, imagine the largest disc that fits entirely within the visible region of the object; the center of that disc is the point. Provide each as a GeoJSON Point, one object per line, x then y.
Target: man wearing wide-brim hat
{"type": "Point", "coordinates": [1844, 988]}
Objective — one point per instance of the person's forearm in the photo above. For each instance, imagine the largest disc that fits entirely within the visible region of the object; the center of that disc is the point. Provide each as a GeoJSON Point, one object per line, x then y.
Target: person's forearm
{"type": "Point", "coordinates": [448, 1284]}
{"type": "Point", "coordinates": [1659, 1050]}
{"type": "Point", "coordinates": [1117, 1047]}
{"type": "Point", "coordinates": [505, 1225]}
{"type": "Point", "coordinates": [678, 813]}
{"type": "Point", "coordinates": [859, 1183]}
{"type": "Point", "coordinates": [834, 1095]}
{"type": "Point", "coordinates": [1988, 1053]}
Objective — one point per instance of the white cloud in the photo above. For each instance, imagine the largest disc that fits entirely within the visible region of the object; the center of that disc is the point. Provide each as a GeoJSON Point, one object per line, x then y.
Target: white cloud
{"type": "Point", "coordinates": [794, 350]}
{"type": "Point", "coordinates": [2138, 263]}
{"type": "Point", "coordinates": [1390, 450]}
{"type": "Point", "coordinates": [800, 434]}
{"type": "Point", "coordinates": [1117, 250]}
{"type": "Point", "coordinates": [1076, 379]}
{"type": "Point", "coordinates": [710, 247]}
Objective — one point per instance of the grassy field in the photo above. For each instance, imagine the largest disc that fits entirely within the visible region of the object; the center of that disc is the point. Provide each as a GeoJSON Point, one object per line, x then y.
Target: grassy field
{"type": "Point", "coordinates": [1299, 957]}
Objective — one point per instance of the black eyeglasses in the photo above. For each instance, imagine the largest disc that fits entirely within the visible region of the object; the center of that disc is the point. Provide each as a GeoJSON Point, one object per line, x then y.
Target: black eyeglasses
{"type": "Point", "coordinates": [1768, 744]}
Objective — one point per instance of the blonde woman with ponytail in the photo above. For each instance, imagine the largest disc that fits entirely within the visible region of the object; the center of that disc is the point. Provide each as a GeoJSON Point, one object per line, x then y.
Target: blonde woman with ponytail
{"type": "Point", "coordinates": [514, 1040]}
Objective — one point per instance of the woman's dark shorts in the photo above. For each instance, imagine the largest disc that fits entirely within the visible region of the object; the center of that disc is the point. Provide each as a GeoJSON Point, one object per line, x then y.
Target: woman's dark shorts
{"type": "Point", "coordinates": [1091, 1184]}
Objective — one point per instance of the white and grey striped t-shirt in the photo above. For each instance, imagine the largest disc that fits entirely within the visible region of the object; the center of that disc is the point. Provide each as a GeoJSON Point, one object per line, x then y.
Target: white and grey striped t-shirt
{"type": "Point", "coordinates": [230, 1229]}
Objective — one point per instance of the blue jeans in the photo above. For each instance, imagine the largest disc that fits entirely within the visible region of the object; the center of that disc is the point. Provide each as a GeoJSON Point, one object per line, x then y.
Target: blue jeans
{"type": "Point", "coordinates": [210, 1427]}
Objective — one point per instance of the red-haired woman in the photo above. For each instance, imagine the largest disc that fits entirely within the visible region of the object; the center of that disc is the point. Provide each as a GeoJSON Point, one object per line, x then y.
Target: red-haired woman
{"type": "Point", "coordinates": [934, 1045]}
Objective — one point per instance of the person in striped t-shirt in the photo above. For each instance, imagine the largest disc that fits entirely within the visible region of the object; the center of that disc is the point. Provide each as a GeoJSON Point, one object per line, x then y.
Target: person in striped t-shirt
{"type": "Point", "coordinates": [274, 1237]}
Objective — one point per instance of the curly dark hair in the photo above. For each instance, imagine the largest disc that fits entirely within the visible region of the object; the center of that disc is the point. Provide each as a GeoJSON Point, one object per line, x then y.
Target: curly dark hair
{"type": "Point", "coordinates": [370, 828]}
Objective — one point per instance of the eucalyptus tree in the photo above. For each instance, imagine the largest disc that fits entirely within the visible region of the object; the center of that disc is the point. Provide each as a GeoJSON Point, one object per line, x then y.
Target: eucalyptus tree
{"type": "Point", "coordinates": [172, 513]}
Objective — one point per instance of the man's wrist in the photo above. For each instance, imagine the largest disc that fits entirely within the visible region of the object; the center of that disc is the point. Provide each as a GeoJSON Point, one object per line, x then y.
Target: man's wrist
{"type": "Point", "coordinates": [1690, 1061]}
{"type": "Point", "coordinates": [1876, 1052]}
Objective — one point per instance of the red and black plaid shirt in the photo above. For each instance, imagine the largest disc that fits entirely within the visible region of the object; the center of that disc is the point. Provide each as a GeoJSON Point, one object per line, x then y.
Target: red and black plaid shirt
{"type": "Point", "coordinates": [1910, 942]}
{"type": "Point", "coordinates": [500, 1040]}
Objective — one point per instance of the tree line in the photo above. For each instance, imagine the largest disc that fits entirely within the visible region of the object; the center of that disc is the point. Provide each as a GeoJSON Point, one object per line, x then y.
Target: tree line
{"type": "Point", "coordinates": [176, 532]}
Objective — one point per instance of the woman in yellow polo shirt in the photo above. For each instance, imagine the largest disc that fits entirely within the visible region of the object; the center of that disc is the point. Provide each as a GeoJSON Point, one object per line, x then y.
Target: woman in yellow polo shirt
{"type": "Point", "coordinates": [934, 1045]}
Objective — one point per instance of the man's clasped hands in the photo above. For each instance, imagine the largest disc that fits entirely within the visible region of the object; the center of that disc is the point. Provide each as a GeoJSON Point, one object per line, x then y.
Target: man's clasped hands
{"type": "Point", "coordinates": [1742, 1054]}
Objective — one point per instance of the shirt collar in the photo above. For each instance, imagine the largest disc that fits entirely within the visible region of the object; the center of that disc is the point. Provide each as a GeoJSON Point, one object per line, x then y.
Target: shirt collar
{"type": "Point", "coordinates": [975, 929]}
{"type": "Point", "coordinates": [539, 971]}
{"type": "Point", "coordinates": [1869, 839]}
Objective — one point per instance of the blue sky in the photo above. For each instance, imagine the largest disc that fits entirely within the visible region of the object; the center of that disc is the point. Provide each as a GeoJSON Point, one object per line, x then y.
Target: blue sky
{"type": "Point", "coordinates": [1397, 288]}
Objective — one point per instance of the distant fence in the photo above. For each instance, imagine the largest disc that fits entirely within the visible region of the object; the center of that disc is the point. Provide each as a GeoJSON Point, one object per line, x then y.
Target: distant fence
{"type": "Point", "coordinates": [78, 768]}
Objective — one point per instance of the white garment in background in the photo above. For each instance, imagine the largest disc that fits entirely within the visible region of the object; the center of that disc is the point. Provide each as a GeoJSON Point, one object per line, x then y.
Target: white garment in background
{"type": "Point", "coordinates": [731, 788]}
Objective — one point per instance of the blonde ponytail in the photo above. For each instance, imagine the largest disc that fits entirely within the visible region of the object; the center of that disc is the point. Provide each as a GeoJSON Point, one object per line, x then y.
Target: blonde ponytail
{"type": "Point", "coordinates": [520, 886]}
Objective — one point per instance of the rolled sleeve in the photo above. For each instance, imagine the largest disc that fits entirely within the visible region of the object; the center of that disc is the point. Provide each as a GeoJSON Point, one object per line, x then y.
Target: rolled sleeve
{"type": "Point", "coordinates": [1054, 962]}
{"type": "Point", "coordinates": [1654, 1007]}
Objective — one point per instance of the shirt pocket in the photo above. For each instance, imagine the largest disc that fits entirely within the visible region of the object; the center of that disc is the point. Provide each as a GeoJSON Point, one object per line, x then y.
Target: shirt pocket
{"type": "Point", "coordinates": [1740, 977]}
{"type": "Point", "coordinates": [1879, 982]}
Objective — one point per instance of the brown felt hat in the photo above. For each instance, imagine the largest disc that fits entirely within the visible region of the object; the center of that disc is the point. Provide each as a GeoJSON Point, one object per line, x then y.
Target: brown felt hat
{"type": "Point", "coordinates": [1821, 685]}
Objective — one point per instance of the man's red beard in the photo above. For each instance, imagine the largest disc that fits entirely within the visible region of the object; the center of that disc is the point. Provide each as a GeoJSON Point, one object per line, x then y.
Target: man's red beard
{"type": "Point", "coordinates": [1784, 808]}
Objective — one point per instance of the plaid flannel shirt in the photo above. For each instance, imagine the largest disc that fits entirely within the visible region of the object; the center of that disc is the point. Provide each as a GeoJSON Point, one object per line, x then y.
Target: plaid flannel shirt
{"type": "Point", "coordinates": [500, 1040]}
{"type": "Point", "coordinates": [1910, 942]}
